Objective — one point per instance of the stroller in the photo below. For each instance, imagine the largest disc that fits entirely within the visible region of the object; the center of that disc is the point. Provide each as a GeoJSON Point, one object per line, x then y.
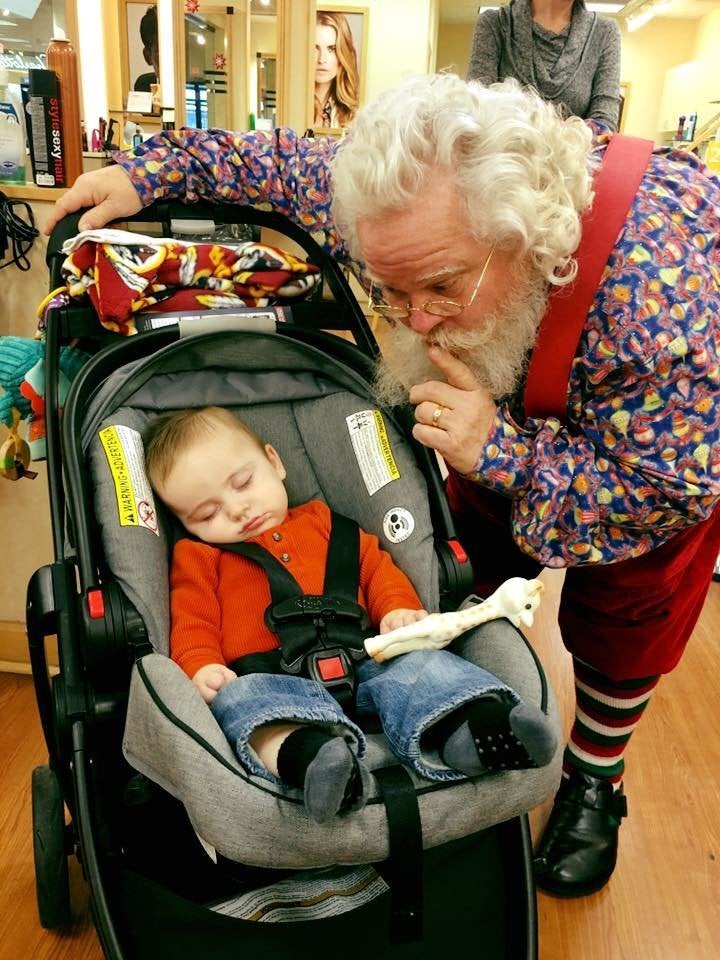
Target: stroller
{"type": "Point", "coordinates": [182, 848]}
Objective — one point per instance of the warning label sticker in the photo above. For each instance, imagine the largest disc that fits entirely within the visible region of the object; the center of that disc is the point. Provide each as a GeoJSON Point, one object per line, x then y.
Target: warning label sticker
{"type": "Point", "coordinates": [372, 449]}
{"type": "Point", "coordinates": [126, 459]}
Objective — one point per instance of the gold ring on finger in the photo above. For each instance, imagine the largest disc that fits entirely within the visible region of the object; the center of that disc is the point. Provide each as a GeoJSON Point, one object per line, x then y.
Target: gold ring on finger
{"type": "Point", "coordinates": [437, 413]}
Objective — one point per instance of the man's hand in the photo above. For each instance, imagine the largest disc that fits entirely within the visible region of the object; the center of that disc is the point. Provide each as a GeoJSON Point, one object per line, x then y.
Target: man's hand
{"type": "Point", "coordinates": [400, 618]}
{"type": "Point", "coordinates": [211, 678]}
{"type": "Point", "coordinates": [453, 418]}
{"type": "Point", "coordinates": [108, 192]}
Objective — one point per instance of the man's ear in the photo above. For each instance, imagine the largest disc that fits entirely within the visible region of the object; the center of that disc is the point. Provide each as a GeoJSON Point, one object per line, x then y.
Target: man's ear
{"type": "Point", "coordinates": [274, 458]}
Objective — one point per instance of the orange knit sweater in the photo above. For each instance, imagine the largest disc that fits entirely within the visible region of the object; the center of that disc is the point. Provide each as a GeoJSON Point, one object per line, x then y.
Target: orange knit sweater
{"type": "Point", "coordinates": [218, 599]}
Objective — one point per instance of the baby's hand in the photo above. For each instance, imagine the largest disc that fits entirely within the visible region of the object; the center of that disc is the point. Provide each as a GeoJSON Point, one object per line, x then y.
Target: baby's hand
{"type": "Point", "coordinates": [400, 618]}
{"type": "Point", "coordinates": [211, 678]}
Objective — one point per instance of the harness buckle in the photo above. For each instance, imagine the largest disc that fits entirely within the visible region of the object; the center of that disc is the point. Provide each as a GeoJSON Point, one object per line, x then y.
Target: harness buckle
{"type": "Point", "coordinates": [314, 628]}
{"type": "Point", "coordinates": [333, 668]}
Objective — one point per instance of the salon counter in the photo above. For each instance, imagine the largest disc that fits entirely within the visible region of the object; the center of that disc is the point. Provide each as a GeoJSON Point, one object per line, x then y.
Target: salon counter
{"type": "Point", "coordinates": [31, 191]}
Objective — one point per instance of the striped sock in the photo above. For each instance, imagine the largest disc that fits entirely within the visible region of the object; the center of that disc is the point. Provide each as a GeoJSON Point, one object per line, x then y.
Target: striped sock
{"type": "Point", "coordinates": [606, 714]}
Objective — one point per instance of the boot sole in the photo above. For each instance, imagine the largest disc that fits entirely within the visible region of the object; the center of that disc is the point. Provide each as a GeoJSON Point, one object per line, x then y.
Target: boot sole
{"type": "Point", "coordinates": [569, 892]}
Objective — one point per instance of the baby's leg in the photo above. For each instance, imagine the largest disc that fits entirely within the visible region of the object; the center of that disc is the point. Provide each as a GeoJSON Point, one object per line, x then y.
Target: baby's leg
{"type": "Point", "coordinates": [320, 764]}
{"type": "Point", "coordinates": [267, 740]}
{"type": "Point", "coordinates": [435, 706]}
{"type": "Point", "coordinates": [291, 729]}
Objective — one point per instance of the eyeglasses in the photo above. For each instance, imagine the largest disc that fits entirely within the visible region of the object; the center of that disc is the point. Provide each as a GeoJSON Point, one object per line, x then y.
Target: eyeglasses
{"type": "Point", "coordinates": [436, 308]}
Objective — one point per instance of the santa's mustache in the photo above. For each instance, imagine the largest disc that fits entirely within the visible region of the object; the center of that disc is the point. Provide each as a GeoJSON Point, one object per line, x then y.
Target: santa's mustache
{"type": "Point", "coordinates": [496, 352]}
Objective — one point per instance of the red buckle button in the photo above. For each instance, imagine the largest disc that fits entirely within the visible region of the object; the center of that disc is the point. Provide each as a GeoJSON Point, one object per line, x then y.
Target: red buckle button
{"type": "Point", "coordinates": [457, 549]}
{"type": "Point", "coordinates": [96, 604]}
{"type": "Point", "coordinates": [330, 668]}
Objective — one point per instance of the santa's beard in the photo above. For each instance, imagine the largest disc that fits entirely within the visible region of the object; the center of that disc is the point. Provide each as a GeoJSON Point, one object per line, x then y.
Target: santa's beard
{"type": "Point", "coordinates": [496, 353]}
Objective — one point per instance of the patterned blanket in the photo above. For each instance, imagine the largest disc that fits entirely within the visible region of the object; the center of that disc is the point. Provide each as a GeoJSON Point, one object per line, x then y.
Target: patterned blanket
{"type": "Point", "coordinates": [124, 274]}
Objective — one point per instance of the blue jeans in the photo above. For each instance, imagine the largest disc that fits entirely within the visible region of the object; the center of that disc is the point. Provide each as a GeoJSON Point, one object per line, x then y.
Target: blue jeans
{"type": "Point", "coordinates": [409, 694]}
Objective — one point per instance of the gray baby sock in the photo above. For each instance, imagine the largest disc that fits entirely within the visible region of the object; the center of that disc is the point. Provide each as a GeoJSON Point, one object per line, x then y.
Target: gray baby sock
{"type": "Point", "coordinates": [336, 781]}
{"type": "Point", "coordinates": [495, 734]}
{"type": "Point", "coordinates": [326, 769]}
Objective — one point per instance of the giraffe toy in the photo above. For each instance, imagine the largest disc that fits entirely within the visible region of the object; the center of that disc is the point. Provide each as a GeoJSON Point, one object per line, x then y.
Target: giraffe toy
{"type": "Point", "coordinates": [516, 600]}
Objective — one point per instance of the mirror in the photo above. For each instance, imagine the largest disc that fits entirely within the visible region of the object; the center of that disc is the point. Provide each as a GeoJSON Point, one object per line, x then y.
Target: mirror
{"type": "Point", "coordinates": [228, 64]}
{"type": "Point", "coordinates": [25, 34]}
{"type": "Point", "coordinates": [264, 47]}
{"type": "Point", "coordinates": [266, 109]}
{"type": "Point", "coordinates": [140, 59]}
{"type": "Point", "coordinates": [209, 55]}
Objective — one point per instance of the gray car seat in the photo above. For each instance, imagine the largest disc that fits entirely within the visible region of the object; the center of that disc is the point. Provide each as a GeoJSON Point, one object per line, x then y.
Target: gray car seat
{"type": "Point", "coordinates": [310, 408]}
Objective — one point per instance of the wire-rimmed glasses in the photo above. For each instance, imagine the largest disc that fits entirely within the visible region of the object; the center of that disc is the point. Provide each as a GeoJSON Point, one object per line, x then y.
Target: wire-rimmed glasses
{"type": "Point", "coordinates": [436, 308]}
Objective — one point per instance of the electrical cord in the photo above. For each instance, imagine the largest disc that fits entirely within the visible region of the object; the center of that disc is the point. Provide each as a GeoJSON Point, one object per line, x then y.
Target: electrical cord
{"type": "Point", "coordinates": [17, 231]}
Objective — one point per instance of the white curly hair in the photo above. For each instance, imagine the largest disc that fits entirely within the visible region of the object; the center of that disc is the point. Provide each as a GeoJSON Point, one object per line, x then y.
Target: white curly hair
{"type": "Point", "coordinates": [524, 173]}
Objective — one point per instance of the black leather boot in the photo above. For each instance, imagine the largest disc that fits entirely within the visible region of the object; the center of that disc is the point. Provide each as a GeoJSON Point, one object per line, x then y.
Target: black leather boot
{"type": "Point", "coordinates": [578, 850]}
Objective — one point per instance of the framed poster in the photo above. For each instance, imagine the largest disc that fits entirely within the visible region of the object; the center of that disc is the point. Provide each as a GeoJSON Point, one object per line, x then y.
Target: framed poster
{"type": "Point", "coordinates": [340, 63]}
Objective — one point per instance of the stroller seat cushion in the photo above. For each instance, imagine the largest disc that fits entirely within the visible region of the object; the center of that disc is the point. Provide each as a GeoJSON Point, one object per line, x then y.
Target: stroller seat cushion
{"type": "Point", "coordinates": [172, 737]}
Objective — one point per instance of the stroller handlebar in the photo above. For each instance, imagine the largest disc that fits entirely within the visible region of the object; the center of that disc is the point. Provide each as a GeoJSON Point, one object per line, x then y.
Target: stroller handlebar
{"type": "Point", "coordinates": [165, 212]}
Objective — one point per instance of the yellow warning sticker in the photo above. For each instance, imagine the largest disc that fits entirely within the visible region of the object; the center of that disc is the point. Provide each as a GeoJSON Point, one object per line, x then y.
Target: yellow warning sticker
{"type": "Point", "coordinates": [125, 455]}
{"type": "Point", "coordinates": [373, 452]}
{"type": "Point", "coordinates": [385, 446]}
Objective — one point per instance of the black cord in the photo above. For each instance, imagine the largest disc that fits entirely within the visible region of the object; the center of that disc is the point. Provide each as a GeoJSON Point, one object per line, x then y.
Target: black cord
{"type": "Point", "coordinates": [16, 232]}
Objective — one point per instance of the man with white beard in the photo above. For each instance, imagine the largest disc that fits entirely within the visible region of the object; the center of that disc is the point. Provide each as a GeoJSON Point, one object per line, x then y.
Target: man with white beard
{"type": "Point", "coordinates": [496, 353]}
{"type": "Point", "coordinates": [466, 210]}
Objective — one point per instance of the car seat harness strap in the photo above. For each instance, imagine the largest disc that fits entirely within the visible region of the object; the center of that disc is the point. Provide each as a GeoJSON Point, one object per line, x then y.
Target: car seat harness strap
{"type": "Point", "coordinates": [403, 870]}
{"type": "Point", "coordinates": [321, 636]}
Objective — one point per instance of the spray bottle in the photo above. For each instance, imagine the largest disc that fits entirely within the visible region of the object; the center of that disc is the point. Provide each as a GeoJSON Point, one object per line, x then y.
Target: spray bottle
{"type": "Point", "coordinates": [12, 136]}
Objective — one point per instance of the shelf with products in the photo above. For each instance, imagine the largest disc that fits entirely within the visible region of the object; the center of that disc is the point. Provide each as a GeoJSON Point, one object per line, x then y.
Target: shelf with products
{"type": "Point", "coordinates": [149, 123]}
{"type": "Point", "coordinates": [707, 131]}
{"type": "Point", "coordinates": [705, 136]}
{"type": "Point", "coordinates": [152, 118]}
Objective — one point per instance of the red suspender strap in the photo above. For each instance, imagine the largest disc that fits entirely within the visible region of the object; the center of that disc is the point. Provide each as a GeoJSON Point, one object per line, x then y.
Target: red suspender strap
{"type": "Point", "coordinates": [616, 183]}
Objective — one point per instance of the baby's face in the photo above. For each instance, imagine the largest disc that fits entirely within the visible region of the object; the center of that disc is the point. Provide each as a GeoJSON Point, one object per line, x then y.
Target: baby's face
{"type": "Point", "coordinates": [225, 488]}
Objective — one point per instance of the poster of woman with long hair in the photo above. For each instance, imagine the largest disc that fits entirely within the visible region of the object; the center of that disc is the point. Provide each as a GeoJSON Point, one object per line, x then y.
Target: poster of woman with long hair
{"type": "Point", "coordinates": [339, 47]}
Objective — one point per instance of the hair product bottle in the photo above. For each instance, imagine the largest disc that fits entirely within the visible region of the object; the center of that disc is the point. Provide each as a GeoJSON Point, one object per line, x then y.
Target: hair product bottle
{"type": "Point", "coordinates": [12, 137]}
{"type": "Point", "coordinates": [47, 151]}
{"type": "Point", "coordinates": [61, 58]}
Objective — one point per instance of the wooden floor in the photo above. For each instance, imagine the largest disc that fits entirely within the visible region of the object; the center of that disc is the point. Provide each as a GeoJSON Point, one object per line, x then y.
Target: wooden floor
{"type": "Point", "coordinates": [662, 904]}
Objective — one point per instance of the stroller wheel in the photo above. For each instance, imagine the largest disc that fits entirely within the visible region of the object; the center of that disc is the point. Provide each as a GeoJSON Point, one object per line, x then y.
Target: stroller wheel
{"type": "Point", "coordinates": [52, 886]}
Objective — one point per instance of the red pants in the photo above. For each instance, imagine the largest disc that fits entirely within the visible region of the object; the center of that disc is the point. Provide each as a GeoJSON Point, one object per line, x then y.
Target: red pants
{"type": "Point", "coordinates": [626, 620]}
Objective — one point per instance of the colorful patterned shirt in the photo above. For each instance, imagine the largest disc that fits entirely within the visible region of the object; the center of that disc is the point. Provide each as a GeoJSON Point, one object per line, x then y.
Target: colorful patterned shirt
{"type": "Point", "coordinates": [639, 457]}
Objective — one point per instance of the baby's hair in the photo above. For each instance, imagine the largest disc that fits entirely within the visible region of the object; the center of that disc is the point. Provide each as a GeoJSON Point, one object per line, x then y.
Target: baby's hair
{"type": "Point", "coordinates": [169, 434]}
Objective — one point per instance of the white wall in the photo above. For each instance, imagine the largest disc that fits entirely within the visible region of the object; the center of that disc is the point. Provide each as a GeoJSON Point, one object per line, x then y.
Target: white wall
{"type": "Point", "coordinates": [453, 47]}
{"type": "Point", "coordinates": [695, 84]}
{"type": "Point", "coordinates": [647, 55]}
{"type": "Point", "coordinates": [673, 67]}
{"type": "Point", "coordinates": [708, 42]}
